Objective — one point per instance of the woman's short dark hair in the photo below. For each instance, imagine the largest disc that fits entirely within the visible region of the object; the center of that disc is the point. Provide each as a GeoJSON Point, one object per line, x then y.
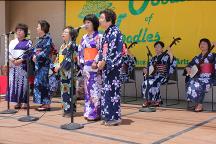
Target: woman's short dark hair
{"type": "Point", "coordinates": [110, 15]}
{"type": "Point", "coordinates": [207, 41]}
{"type": "Point", "coordinates": [44, 25]}
{"type": "Point", "coordinates": [72, 32]}
{"type": "Point", "coordinates": [23, 27]}
{"type": "Point", "coordinates": [93, 18]}
{"type": "Point", "coordinates": [160, 43]}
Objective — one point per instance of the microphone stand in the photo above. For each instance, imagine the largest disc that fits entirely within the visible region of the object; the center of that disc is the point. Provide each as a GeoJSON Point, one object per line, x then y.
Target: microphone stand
{"type": "Point", "coordinates": [28, 117]}
{"type": "Point", "coordinates": [8, 111]}
{"type": "Point", "coordinates": [149, 108]}
{"type": "Point", "coordinates": [72, 125]}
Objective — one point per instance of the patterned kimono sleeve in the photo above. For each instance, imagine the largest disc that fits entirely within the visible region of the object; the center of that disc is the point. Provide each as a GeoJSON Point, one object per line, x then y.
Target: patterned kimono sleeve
{"type": "Point", "coordinates": [80, 55]}
{"type": "Point", "coordinates": [66, 63]}
{"type": "Point", "coordinates": [98, 46]}
{"type": "Point", "coordinates": [114, 55]}
{"type": "Point", "coordinates": [29, 53]}
{"type": "Point", "coordinates": [172, 66]}
{"type": "Point", "coordinates": [55, 62]}
{"type": "Point", "coordinates": [150, 63]}
{"type": "Point", "coordinates": [100, 52]}
{"type": "Point", "coordinates": [192, 62]}
{"type": "Point", "coordinates": [46, 52]}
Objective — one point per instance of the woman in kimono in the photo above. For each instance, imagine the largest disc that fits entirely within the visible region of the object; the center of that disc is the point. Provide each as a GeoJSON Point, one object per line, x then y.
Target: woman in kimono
{"type": "Point", "coordinates": [129, 62]}
{"type": "Point", "coordinates": [165, 66]}
{"type": "Point", "coordinates": [42, 50]}
{"type": "Point", "coordinates": [88, 54]}
{"type": "Point", "coordinates": [18, 67]}
{"type": "Point", "coordinates": [110, 62]}
{"type": "Point", "coordinates": [63, 66]}
{"type": "Point", "coordinates": [53, 76]}
{"type": "Point", "coordinates": [197, 86]}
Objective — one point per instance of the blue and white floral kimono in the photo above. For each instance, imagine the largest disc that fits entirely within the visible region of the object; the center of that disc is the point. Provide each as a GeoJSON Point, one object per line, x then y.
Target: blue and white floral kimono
{"type": "Point", "coordinates": [128, 66]}
{"type": "Point", "coordinates": [41, 83]}
{"type": "Point", "coordinates": [18, 74]}
{"type": "Point", "coordinates": [87, 54]}
{"type": "Point", "coordinates": [112, 54]}
{"type": "Point", "coordinates": [64, 59]}
{"type": "Point", "coordinates": [151, 91]}
{"type": "Point", "coordinates": [197, 86]}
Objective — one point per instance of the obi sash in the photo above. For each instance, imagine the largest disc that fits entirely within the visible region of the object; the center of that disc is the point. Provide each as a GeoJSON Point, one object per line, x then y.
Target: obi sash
{"type": "Point", "coordinates": [206, 68]}
{"type": "Point", "coordinates": [90, 53]}
{"type": "Point", "coordinates": [161, 68]}
{"type": "Point", "coordinates": [61, 58]}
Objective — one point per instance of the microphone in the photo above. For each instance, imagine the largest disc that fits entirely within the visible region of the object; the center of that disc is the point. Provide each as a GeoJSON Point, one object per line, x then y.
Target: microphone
{"type": "Point", "coordinates": [149, 52]}
{"type": "Point", "coordinates": [81, 27]}
{"type": "Point", "coordinates": [11, 32]}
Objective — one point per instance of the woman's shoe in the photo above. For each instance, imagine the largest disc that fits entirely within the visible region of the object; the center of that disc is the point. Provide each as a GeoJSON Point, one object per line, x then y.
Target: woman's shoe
{"type": "Point", "coordinates": [43, 108]}
{"type": "Point", "coordinates": [95, 119]}
{"type": "Point", "coordinates": [103, 122]}
{"type": "Point", "coordinates": [146, 104]}
{"type": "Point", "coordinates": [113, 123]}
{"type": "Point", "coordinates": [198, 108]}
{"type": "Point", "coordinates": [18, 106]}
{"type": "Point", "coordinates": [24, 106]}
{"type": "Point", "coordinates": [155, 104]}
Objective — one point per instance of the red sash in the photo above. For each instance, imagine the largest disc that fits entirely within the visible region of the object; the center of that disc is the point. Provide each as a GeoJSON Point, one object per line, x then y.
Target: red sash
{"type": "Point", "coordinates": [207, 68]}
{"type": "Point", "coordinates": [90, 53]}
{"type": "Point", "coordinates": [161, 68]}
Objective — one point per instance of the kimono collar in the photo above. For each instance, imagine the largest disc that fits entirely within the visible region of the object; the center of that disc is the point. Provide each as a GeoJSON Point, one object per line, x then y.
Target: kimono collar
{"type": "Point", "coordinates": [66, 43]}
{"type": "Point", "coordinates": [110, 27]}
{"type": "Point", "coordinates": [159, 55]}
{"type": "Point", "coordinates": [23, 44]}
{"type": "Point", "coordinates": [47, 35]}
{"type": "Point", "coordinates": [93, 34]}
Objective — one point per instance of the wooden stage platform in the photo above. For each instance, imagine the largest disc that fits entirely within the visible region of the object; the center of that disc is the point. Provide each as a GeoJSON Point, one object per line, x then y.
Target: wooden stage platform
{"type": "Point", "coordinates": [166, 125]}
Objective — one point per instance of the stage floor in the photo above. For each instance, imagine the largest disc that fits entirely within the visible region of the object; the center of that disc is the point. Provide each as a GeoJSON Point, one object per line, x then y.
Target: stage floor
{"type": "Point", "coordinates": [166, 125]}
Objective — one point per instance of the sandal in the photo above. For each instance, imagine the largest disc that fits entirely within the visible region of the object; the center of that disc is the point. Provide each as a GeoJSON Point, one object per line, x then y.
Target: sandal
{"type": "Point", "coordinates": [43, 108]}
{"type": "Point", "coordinates": [198, 108]}
{"type": "Point", "coordinates": [155, 104]}
{"type": "Point", "coordinates": [18, 106]}
{"type": "Point", "coordinates": [24, 106]}
{"type": "Point", "coordinates": [146, 104]}
{"type": "Point", "coordinates": [113, 123]}
{"type": "Point", "coordinates": [103, 122]}
{"type": "Point", "coordinates": [95, 119]}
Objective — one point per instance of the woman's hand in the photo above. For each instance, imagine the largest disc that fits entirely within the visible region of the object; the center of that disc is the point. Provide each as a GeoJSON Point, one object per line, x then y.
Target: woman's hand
{"type": "Point", "coordinates": [34, 58]}
{"type": "Point", "coordinates": [101, 64]}
{"type": "Point", "coordinates": [188, 69]}
{"type": "Point", "coordinates": [12, 60]}
{"type": "Point", "coordinates": [18, 62]}
{"type": "Point", "coordinates": [145, 70]}
{"type": "Point", "coordinates": [94, 65]}
{"type": "Point", "coordinates": [56, 69]}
